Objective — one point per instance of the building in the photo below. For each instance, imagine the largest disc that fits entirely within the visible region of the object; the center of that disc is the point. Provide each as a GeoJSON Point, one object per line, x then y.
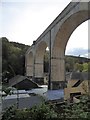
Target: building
{"type": "Point", "coordinates": [22, 83]}
{"type": "Point", "coordinates": [77, 85]}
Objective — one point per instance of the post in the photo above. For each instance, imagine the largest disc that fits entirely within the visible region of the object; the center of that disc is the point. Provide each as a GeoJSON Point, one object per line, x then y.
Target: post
{"type": "Point", "coordinates": [33, 64]}
{"type": "Point", "coordinates": [1, 78]}
{"type": "Point", "coordinates": [49, 81]}
{"type": "Point", "coordinates": [33, 69]}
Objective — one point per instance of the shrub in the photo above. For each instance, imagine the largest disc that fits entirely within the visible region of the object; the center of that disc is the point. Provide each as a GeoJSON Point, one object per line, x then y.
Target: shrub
{"type": "Point", "coordinates": [41, 112]}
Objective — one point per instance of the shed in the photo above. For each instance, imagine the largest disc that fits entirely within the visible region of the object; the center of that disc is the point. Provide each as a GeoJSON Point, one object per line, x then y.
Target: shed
{"type": "Point", "coordinates": [22, 83]}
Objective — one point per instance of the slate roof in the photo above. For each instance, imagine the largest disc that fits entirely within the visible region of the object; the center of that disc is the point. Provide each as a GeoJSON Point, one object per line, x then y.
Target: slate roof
{"type": "Point", "coordinates": [80, 76]}
{"type": "Point", "coordinates": [22, 82]}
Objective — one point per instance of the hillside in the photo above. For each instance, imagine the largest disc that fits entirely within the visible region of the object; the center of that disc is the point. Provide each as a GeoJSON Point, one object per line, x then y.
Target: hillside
{"type": "Point", "coordinates": [13, 58]}
{"type": "Point", "coordinates": [74, 61]}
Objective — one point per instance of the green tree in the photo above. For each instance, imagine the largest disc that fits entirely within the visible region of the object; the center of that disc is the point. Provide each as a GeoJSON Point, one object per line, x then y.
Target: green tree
{"type": "Point", "coordinates": [85, 67]}
{"type": "Point", "coordinates": [13, 58]}
{"type": "Point", "coordinates": [40, 112]}
{"type": "Point", "coordinates": [88, 66]}
{"type": "Point", "coordinates": [78, 67]}
{"type": "Point", "coordinates": [69, 61]}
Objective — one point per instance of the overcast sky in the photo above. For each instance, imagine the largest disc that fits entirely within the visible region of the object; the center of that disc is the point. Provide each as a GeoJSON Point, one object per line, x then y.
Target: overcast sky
{"type": "Point", "coordinates": [24, 20]}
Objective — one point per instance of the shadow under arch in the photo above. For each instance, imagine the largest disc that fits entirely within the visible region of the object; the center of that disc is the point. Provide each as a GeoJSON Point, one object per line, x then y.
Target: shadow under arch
{"type": "Point", "coordinates": [59, 46]}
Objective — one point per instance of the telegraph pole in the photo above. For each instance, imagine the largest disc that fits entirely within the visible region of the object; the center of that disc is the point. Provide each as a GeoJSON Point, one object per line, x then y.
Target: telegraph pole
{"type": "Point", "coordinates": [16, 85]}
{"type": "Point", "coordinates": [34, 63]}
{"type": "Point", "coordinates": [49, 81]}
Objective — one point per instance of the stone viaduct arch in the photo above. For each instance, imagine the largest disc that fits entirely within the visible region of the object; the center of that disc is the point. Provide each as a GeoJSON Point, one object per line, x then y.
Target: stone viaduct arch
{"type": "Point", "coordinates": [55, 37]}
{"type": "Point", "coordinates": [39, 60]}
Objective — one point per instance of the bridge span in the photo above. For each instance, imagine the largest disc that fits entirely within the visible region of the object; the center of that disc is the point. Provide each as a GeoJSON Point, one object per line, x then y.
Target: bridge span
{"type": "Point", "coordinates": [55, 37]}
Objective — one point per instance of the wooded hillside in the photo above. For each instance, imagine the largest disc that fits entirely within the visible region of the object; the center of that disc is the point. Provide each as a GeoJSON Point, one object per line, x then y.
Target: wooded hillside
{"type": "Point", "coordinates": [13, 58]}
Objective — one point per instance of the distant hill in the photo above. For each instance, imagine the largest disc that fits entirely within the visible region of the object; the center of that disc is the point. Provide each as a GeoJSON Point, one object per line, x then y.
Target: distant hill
{"type": "Point", "coordinates": [80, 59]}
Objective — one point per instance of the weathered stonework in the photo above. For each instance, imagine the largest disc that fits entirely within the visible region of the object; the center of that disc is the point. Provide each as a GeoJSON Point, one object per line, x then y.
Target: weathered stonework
{"type": "Point", "coordinates": [55, 37]}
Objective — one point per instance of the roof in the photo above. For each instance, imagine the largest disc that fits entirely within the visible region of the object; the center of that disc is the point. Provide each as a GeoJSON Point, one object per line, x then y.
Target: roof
{"type": "Point", "coordinates": [39, 91]}
{"type": "Point", "coordinates": [2, 93]}
{"type": "Point", "coordinates": [16, 79]}
{"type": "Point", "coordinates": [80, 76]}
{"type": "Point", "coordinates": [54, 94]}
{"type": "Point", "coordinates": [15, 96]}
{"type": "Point", "coordinates": [22, 81]}
{"type": "Point", "coordinates": [18, 91]}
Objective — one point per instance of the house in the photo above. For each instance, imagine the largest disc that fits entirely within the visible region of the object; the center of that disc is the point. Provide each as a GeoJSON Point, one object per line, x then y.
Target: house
{"type": "Point", "coordinates": [77, 85]}
{"type": "Point", "coordinates": [22, 83]}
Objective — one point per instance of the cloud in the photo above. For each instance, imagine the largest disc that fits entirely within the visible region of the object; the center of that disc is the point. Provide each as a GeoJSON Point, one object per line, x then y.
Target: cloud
{"type": "Point", "coordinates": [78, 51]}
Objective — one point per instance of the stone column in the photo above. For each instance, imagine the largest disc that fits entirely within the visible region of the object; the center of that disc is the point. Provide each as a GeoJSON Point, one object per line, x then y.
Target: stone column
{"type": "Point", "coordinates": [38, 75]}
{"type": "Point", "coordinates": [57, 72]}
{"type": "Point", "coordinates": [29, 70]}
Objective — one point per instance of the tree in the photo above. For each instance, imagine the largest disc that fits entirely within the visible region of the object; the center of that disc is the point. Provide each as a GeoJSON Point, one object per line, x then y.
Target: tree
{"type": "Point", "coordinates": [13, 58]}
{"type": "Point", "coordinates": [88, 66]}
{"type": "Point", "coordinates": [85, 67]}
{"type": "Point", "coordinates": [40, 112]}
{"type": "Point", "coordinates": [78, 67]}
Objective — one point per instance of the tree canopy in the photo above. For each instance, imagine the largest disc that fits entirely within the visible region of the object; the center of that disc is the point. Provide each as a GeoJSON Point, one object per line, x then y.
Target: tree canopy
{"type": "Point", "coordinates": [13, 58]}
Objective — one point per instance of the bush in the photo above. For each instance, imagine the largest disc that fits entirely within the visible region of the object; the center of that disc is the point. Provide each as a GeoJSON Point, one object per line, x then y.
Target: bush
{"type": "Point", "coordinates": [47, 112]}
{"type": "Point", "coordinates": [9, 114]}
{"type": "Point", "coordinates": [41, 112]}
{"type": "Point", "coordinates": [76, 110]}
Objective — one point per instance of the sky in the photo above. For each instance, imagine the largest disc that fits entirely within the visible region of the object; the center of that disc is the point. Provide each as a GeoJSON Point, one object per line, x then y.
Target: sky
{"type": "Point", "coordinates": [23, 21]}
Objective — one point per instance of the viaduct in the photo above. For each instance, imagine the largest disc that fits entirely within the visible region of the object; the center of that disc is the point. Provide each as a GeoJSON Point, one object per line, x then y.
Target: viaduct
{"type": "Point", "coordinates": [55, 37]}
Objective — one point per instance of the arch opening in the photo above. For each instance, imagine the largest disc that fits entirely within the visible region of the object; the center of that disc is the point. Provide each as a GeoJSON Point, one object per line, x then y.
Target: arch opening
{"type": "Point", "coordinates": [41, 63]}
{"type": "Point", "coordinates": [76, 42]}
{"type": "Point", "coordinates": [76, 52]}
